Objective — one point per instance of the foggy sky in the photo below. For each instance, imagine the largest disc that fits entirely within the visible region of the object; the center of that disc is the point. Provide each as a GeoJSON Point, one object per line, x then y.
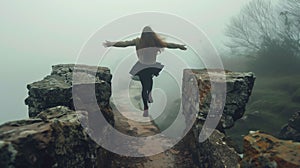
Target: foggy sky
{"type": "Point", "coordinates": [37, 34]}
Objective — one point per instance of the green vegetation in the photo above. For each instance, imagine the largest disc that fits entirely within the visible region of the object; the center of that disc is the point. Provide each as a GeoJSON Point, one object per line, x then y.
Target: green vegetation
{"type": "Point", "coordinates": [264, 38]}
{"type": "Point", "coordinates": [272, 103]}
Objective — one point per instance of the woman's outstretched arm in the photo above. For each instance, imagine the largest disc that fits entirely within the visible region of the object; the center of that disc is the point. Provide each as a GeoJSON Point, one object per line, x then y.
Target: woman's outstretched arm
{"type": "Point", "coordinates": [120, 43]}
{"type": "Point", "coordinates": [174, 46]}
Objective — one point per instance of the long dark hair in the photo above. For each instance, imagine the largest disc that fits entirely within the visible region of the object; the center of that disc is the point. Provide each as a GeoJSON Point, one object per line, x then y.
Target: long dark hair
{"type": "Point", "coordinates": [150, 39]}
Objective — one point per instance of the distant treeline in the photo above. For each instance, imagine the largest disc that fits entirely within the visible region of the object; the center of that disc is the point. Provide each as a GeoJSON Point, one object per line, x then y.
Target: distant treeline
{"type": "Point", "coordinates": [265, 38]}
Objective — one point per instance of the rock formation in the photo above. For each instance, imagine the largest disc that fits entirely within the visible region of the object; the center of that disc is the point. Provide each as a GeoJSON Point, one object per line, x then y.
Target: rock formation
{"type": "Point", "coordinates": [263, 150]}
{"type": "Point", "coordinates": [291, 131]}
{"type": "Point", "coordinates": [215, 151]}
{"type": "Point", "coordinates": [54, 138]}
{"type": "Point", "coordinates": [239, 86]}
{"type": "Point", "coordinates": [56, 88]}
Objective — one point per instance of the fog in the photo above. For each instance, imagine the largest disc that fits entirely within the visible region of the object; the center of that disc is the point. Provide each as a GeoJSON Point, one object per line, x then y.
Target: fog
{"type": "Point", "coordinates": [38, 34]}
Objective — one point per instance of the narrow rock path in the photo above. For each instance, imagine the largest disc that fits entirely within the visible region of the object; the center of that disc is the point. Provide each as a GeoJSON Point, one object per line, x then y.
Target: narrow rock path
{"type": "Point", "coordinates": [136, 125]}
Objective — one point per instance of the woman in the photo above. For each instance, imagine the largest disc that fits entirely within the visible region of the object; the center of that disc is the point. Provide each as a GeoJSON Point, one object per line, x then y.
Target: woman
{"type": "Point", "coordinates": [147, 48]}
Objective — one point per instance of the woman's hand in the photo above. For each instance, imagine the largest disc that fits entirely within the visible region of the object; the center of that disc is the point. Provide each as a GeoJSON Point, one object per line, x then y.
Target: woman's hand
{"type": "Point", "coordinates": [182, 47]}
{"type": "Point", "coordinates": [108, 43]}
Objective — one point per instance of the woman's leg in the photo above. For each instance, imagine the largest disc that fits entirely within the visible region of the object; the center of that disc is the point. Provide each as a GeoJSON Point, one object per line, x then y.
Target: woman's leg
{"type": "Point", "coordinates": [146, 83]}
{"type": "Point", "coordinates": [150, 83]}
{"type": "Point", "coordinates": [150, 99]}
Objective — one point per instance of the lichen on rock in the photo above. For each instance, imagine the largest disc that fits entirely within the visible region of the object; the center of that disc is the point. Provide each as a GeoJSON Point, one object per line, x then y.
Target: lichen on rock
{"type": "Point", "coordinates": [56, 135]}
{"type": "Point", "coordinates": [263, 150]}
{"type": "Point", "coordinates": [216, 150]}
{"type": "Point", "coordinates": [56, 89]}
{"type": "Point", "coordinates": [55, 141]}
{"type": "Point", "coordinates": [238, 90]}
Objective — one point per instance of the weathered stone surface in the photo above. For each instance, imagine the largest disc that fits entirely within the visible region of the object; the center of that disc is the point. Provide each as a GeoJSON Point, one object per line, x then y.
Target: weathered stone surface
{"type": "Point", "coordinates": [56, 89]}
{"type": "Point", "coordinates": [239, 86]}
{"type": "Point", "coordinates": [179, 156]}
{"type": "Point", "coordinates": [291, 131]}
{"type": "Point", "coordinates": [55, 138]}
{"type": "Point", "coordinates": [263, 150]}
{"type": "Point", "coordinates": [216, 151]}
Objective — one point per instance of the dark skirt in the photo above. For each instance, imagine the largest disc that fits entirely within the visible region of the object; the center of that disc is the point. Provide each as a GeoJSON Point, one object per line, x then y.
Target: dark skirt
{"type": "Point", "coordinates": [151, 69]}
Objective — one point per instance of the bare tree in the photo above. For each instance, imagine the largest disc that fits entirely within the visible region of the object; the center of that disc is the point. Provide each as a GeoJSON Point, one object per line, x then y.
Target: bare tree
{"type": "Point", "coordinates": [256, 26]}
{"type": "Point", "coordinates": [290, 18]}
{"type": "Point", "coordinates": [269, 33]}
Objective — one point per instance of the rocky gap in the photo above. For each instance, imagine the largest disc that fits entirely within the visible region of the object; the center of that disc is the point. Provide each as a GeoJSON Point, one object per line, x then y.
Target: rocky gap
{"type": "Point", "coordinates": [54, 137]}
